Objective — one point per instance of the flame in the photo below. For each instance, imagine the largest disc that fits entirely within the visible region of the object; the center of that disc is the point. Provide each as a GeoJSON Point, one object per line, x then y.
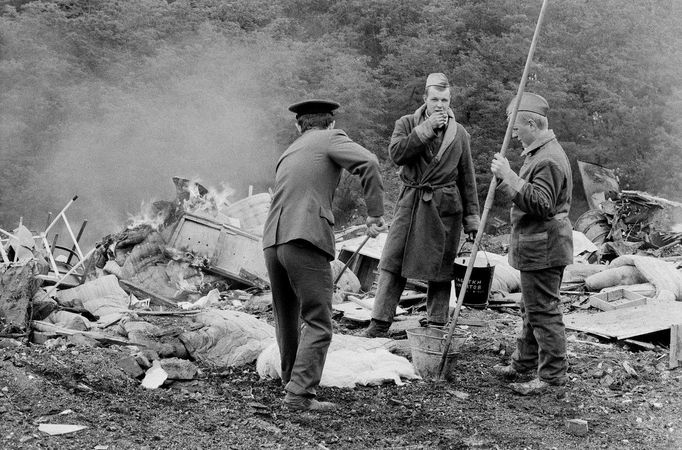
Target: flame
{"type": "Point", "coordinates": [198, 200]}
{"type": "Point", "coordinates": [150, 215]}
{"type": "Point", "coordinates": [210, 203]}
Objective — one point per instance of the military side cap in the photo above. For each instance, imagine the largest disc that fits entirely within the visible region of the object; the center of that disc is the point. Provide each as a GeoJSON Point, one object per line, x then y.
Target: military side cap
{"type": "Point", "coordinates": [437, 79]}
{"type": "Point", "coordinates": [314, 106]}
{"type": "Point", "coordinates": [533, 103]}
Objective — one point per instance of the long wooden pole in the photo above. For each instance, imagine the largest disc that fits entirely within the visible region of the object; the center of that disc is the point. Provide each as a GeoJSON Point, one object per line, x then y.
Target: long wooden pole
{"type": "Point", "coordinates": [491, 192]}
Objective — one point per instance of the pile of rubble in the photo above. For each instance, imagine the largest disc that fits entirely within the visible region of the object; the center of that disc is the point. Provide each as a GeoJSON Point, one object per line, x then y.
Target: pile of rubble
{"type": "Point", "coordinates": [184, 282]}
{"type": "Point", "coordinates": [627, 222]}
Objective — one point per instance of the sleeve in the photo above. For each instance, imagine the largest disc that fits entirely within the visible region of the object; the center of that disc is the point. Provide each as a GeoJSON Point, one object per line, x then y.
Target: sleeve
{"type": "Point", "coordinates": [466, 183]}
{"type": "Point", "coordinates": [537, 195]}
{"type": "Point", "coordinates": [362, 163]}
{"type": "Point", "coordinates": [407, 143]}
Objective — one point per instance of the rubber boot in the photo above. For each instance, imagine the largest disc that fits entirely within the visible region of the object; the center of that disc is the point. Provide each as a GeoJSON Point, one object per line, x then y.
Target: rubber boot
{"type": "Point", "coordinates": [377, 329]}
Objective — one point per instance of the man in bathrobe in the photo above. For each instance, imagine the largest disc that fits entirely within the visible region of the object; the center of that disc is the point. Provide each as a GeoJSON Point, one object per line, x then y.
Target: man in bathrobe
{"type": "Point", "coordinates": [438, 197]}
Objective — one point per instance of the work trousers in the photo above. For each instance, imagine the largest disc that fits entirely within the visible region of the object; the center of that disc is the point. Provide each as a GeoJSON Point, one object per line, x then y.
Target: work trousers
{"type": "Point", "coordinates": [390, 288]}
{"type": "Point", "coordinates": [301, 283]}
{"type": "Point", "coordinates": [541, 344]}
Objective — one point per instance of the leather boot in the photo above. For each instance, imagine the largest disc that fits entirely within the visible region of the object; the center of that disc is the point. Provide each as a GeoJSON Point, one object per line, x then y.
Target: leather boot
{"type": "Point", "coordinates": [536, 386]}
{"type": "Point", "coordinates": [507, 372]}
{"type": "Point", "coordinates": [377, 329]}
{"type": "Point", "coordinates": [300, 403]}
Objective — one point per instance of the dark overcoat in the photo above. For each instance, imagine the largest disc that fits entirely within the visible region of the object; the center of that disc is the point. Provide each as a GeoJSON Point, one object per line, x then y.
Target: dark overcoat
{"type": "Point", "coordinates": [307, 175]}
{"type": "Point", "coordinates": [438, 196]}
{"type": "Point", "coordinates": [541, 234]}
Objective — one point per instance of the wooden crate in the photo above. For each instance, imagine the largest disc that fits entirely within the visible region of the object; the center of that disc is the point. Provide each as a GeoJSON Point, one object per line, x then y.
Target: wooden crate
{"type": "Point", "coordinates": [231, 252]}
{"type": "Point", "coordinates": [616, 299]}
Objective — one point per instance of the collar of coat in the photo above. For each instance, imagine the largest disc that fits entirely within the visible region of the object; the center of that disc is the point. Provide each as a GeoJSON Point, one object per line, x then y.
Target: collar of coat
{"type": "Point", "coordinates": [543, 138]}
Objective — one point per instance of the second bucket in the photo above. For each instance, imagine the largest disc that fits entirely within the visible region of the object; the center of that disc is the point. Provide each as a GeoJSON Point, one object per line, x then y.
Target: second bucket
{"type": "Point", "coordinates": [480, 281]}
{"type": "Point", "coordinates": [427, 344]}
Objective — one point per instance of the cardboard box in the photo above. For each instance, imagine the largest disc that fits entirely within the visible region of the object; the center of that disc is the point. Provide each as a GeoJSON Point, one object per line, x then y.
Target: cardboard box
{"type": "Point", "coordinates": [616, 299]}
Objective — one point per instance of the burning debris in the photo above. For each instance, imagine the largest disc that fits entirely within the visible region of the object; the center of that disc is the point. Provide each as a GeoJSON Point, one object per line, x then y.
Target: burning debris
{"type": "Point", "coordinates": [163, 261]}
{"type": "Point", "coordinates": [170, 286]}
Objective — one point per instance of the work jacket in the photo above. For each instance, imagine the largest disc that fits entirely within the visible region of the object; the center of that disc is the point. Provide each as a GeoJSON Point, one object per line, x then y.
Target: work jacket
{"type": "Point", "coordinates": [438, 196]}
{"type": "Point", "coordinates": [541, 235]}
{"type": "Point", "coordinates": [306, 177]}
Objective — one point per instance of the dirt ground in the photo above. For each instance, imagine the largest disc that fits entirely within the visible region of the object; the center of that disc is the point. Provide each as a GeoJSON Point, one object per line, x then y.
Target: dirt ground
{"type": "Point", "coordinates": [628, 397]}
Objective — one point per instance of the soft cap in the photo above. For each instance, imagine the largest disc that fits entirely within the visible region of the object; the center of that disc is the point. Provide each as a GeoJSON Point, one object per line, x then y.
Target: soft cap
{"type": "Point", "coordinates": [533, 103]}
{"type": "Point", "coordinates": [315, 106]}
{"type": "Point", "coordinates": [437, 79]}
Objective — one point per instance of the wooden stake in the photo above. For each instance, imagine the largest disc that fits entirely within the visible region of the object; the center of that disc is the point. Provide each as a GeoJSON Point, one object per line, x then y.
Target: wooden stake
{"type": "Point", "coordinates": [675, 345]}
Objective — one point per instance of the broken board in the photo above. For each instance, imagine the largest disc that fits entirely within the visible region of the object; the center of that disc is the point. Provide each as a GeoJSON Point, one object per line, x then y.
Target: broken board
{"type": "Point", "coordinates": [628, 322]}
{"type": "Point", "coordinates": [360, 310]}
{"type": "Point", "coordinates": [353, 311]}
{"type": "Point", "coordinates": [675, 346]}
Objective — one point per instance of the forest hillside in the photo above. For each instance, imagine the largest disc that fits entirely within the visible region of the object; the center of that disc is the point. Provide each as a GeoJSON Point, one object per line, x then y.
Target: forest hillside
{"type": "Point", "coordinates": [109, 99]}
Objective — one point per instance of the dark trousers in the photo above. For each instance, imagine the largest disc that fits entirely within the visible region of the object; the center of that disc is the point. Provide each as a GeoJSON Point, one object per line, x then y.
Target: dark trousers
{"type": "Point", "coordinates": [541, 344]}
{"type": "Point", "coordinates": [301, 282]}
{"type": "Point", "coordinates": [391, 285]}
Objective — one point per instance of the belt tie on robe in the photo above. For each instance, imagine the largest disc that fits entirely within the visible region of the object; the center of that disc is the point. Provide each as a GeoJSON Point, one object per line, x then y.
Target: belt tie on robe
{"type": "Point", "coordinates": [427, 188]}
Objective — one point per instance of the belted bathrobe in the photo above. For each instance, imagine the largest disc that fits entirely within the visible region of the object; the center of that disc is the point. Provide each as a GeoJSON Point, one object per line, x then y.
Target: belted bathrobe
{"type": "Point", "coordinates": [438, 197]}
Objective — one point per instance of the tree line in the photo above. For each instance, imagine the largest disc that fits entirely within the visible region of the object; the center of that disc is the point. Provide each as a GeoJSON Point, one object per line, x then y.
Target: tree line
{"type": "Point", "coordinates": [142, 81]}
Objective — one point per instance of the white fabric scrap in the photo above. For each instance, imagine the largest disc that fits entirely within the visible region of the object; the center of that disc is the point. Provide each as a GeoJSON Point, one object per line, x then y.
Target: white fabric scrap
{"type": "Point", "coordinates": [100, 297]}
{"type": "Point", "coordinates": [155, 376]}
{"type": "Point", "coordinates": [228, 339]}
{"type": "Point", "coordinates": [210, 299]}
{"type": "Point", "coordinates": [351, 361]}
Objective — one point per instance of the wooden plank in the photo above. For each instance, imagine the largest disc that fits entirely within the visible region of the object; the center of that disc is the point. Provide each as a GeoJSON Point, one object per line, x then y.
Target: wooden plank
{"type": "Point", "coordinates": [47, 327]}
{"type": "Point", "coordinates": [141, 292]}
{"type": "Point", "coordinates": [675, 345]}
{"type": "Point", "coordinates": [629, 322]}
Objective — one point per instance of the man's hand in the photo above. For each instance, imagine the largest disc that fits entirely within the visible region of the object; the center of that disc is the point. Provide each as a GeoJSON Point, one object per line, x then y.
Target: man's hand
{"type": "Point", "coordinates": [375, 225]}
{"type": "Point", "coordinates": [471, 236]}
{"type": "Point", "coordinates": [500, 167]}
{"type": "Point", "coordinates": [438, 119]}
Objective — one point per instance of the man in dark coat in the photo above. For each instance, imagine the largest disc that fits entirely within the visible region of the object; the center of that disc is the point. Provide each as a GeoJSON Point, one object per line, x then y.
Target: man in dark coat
{"type": "Point", "coordinates": [541, 245]}
{"type": "Point", "coordinates": [298, 242]}
{"type": "Point", "coordinates": [438, 197]}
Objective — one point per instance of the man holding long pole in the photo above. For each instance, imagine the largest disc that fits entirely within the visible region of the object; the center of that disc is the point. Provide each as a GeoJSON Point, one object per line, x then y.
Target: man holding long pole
{"type": "Point", "coordinates": [541, 244]}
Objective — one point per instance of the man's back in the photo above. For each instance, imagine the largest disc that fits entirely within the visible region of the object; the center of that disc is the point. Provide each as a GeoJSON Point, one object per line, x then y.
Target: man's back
{"type": "Point", "coordinates": [307, 175]}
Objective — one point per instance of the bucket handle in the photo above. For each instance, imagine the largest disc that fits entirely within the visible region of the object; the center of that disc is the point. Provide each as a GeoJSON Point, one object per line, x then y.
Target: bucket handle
{"type": "Point", "coordinates": [460, 252]}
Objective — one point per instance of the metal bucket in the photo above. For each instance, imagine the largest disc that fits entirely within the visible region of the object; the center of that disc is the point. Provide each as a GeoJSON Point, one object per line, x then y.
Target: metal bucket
{"type": "Point", "coordinates": [427, 344]}
{"type": "Point", "coordinates": [480, 282]}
